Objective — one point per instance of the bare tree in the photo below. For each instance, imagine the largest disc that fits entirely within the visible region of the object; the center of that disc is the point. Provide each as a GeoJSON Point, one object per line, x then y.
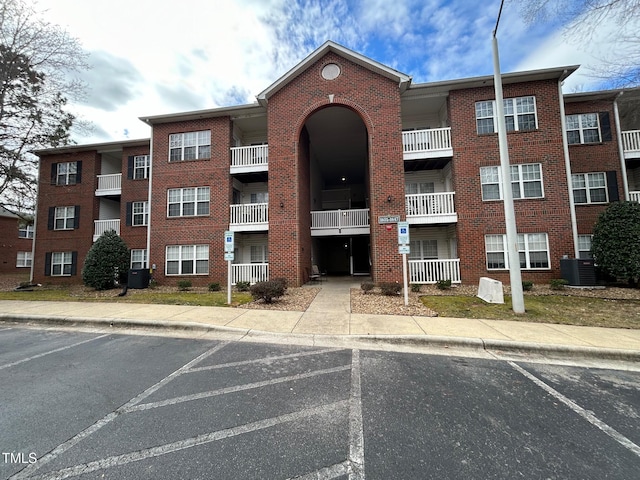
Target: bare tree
{"type": "Point", "coordinates": [582, 18]}
{"type": "Point", "coordinates": [37, 64]}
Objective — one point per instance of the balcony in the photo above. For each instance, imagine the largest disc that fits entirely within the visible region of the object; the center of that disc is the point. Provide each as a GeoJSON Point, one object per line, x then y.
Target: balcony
{"type": "Point", "coordinates": [109, 185]}
{"type": "Point", "coordinates": [631, 144]}
{"type": "Point", "coordinates": [249, 272]}
{"type": "Point", "coordinates": [249, 159]}
{"type": "Point", "coordinates": [634, 196]}
{"type": "Point", "coordinates": [431, 208]}
{"type": "Point", "coordinates": [430, 143]}
{"type": "Point", "coordinates": [340, 222]}
{"type": "Point", "coordinates": [249, 217]}
{"type": "Point", "coordinates": [431, 271]}
{"type": "Point", "coordinates": [101, 226]}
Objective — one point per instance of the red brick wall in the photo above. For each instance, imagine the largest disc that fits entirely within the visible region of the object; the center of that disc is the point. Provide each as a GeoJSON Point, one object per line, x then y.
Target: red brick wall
{"type": "Point", "coordinates": [214, 173]}
{"type": "Point", "coordinates": [471, 151]}
{"type": "Point", "coordinates": [133, 191]}
{"type": "Point", "coordinates": [10, 245]}
{"type": "Point", "coordinates": [376, 100]}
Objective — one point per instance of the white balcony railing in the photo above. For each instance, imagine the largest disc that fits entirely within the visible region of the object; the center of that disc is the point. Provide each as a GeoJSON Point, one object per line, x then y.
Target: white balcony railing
{"type": "Point", "coordinates": [430, 204]}
{"type": "Point", "coordinates": [109, 184]}
{"type": "Point", "coordinates": [631, 143]}
{"type": "Point", "coordinates": [431, 271]}
{"type": "Point", "coordinates": [338, 220]}
{"type": "Point", "coordinates": [634, 196]}
{"type": "Point", "coordinates": [249, 272]}
{"type": "Point", "coordinates": [249, 216]}
{"type": "Point", "coordinates": [249, 159]}
{"type": "Point", "coordinates": [431, 142]}
{"type": "Point", "coordinates": [101, 226]}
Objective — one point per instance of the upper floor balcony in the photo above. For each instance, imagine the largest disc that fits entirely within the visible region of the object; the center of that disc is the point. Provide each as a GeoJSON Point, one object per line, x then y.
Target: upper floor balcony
{"type": "Point", "coordinates": [431, 208]}
{"type": "Point", "coordinates": [429, 143]}
{"type": "Point", "coordinates": [109, 184]}
{"type": "Point", "coordinates": [631, 144]}
{"type": "Point", "coordinates": [102, 226]}
{"type": "Point", "coordinates": [340, 222]}
{"type": "Point", "coordinates": [249, 217]}
{"type": "Point", "coordinates": [250, 159]}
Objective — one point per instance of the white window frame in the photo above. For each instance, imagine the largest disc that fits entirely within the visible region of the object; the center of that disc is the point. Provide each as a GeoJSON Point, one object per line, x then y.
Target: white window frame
{"type": "Point", "coordinates": [138, 258]}
{"type": "Point", "coordinates": [61, 264]}
{"type": "Point", "coordinates": [180, 256]}
{"type": "Point", "coordinates": [189, 146]}
{"type": "Point", "coordinates": [423, 249]}
{"type": "Point", "coordinates": [581, 123]}
{"type": "Point", "coordinates": [198, 196]}
{"type": "Point", "coordinates": [23, 259]}
{"type": "Point", "coordinates": [141, 165]}
{"type": "Point", "coordinates": [258, 254]}
{"type": "Point", "coordinates": [139, 214]}
{"type": "Point", "coordinates": [521, 175]}
{"type": "Point", "coordinates": [587, 182]}
{"type": "Point", "coordinates": [67, 173]}
{"type": "Point", "coordinates": [584, 246]}
{"type": "Point", "coordinates": [528, 244]}
{"type": "Point", "coordinates": [515, 110]}
{"type": "Point", "coordinates": [25, 231]}
{"type": "Point", "coordinates": [68, 217]}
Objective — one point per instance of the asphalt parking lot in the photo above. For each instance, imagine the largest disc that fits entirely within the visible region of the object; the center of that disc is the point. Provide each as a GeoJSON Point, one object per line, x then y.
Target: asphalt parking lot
{"type": "Point", "coordinates": [96, 405]}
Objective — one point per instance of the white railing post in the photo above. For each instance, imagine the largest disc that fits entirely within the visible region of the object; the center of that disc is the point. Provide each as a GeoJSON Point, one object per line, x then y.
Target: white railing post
{"type": "Point", "coordinates": [249, 272]}
{"type": "Point", "coordinates": [249, 156]}
{"type": "Point", "coordinates": [426, 140]}
{"type": "Point", "coordinates": [631, 141]}
{"type": "Point", "coordinates": [432, 271]}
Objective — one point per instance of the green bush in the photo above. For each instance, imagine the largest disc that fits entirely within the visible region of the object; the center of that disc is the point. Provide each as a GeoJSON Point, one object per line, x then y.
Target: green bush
{"type": "Point", "coordinates": [107, 262]}
{"type": "Point", "coordinates": [214, 287]}
{"type": "Point", "coordinates": [415, 287]}
{"type": "Point", "coordinates": [242, 286]}
{"type": "Point", "coordinates": [390, 288]}
{"type": "Point", "coordinates": [184, 285]}
{"type": "Point", "coordinates": [283, 281]}
{"type": "Point", "coordinates": [527, 285]}
{"type": "Point", "coordinates": [558, 283]}
{"type": "Point", "coordinates": [366, 286]}
{"type": "Point", "coordinates": [444, 284]}
{"type": "Point", "coordinates": [267, 291]}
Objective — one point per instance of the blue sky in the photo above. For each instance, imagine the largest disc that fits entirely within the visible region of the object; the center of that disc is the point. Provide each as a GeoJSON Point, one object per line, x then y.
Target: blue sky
{"type": "Point", "coordinates": [152, 57]}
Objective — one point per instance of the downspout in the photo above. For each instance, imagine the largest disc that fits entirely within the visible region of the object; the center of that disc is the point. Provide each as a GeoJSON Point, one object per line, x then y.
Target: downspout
{"type": "Point", "coordinates": [35, 224]}
{"type": "Point", "coordinates": [623, 166]}
{"type": "Point", "coordinates": [567, 163]}
{"type": "Point", "coordinates": [148, 263]}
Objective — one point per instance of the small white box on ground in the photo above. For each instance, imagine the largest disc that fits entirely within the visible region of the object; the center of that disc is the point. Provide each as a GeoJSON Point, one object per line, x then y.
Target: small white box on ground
{"type": "Point", "coordinates": [490, 290]}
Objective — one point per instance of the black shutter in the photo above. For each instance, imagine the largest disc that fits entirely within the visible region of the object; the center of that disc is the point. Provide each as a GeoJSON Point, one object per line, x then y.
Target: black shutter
{"type": "Point", "coordinates": [130, 167]}
{"type": "Point", "coordinates": [47, 264]}
{"type": "Point", "coordinates": [612, 186]}
{"type": "Point", "coordinates": [129, 214]}
{"type": "Point", "coordinates": [54, 173]}
{"type": "Point", "coordinates": [51, 219]}
{"type": "Point", "coordinates": [605, 126]}
{"type": "Point", "coordinates": [76, 220]}
{"type": "Point", "coordinates": [74, 263]}
{"type": "Point", "coordinates": [78, 172]}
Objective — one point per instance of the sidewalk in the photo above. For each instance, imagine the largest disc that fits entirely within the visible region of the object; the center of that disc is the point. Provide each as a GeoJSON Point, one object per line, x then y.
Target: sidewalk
{"type": "Point", "coordinates": [328, 320]}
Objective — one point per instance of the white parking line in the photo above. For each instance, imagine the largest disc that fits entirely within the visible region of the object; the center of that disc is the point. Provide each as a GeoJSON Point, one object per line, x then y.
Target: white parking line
{"type": "Point", "coordinates": [12, 364]}
{"type": "Point", "coordinates": [356, 429]}
{"type": "Point", "coordinates": [587, 415]}
{"type": "Point", "coordinates": [326, 473]}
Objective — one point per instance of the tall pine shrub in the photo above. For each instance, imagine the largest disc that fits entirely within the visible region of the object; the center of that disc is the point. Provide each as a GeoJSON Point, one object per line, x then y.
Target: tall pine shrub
{"type": "Point", "coordinates": [106, 262]}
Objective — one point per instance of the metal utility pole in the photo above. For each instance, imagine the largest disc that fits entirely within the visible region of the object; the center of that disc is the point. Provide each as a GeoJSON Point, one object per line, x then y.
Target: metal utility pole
{"type": "Point", "coordinates": [515, 276]}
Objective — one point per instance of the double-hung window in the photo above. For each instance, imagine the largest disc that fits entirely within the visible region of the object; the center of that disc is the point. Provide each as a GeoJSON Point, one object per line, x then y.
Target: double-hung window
{"type": "Point", "coordinates": [583, 128]}
{"type": "Point", "coordinates": [584, 246]}
{"type": "Point", "coordinates": [25, 231]}
{"type": "Point", "coordinates": [64, 218]}
{"type": "Point", "coordinates": [259, 254]}
{"type": "Point", "coordinates": [139, 213]}
{"type": "Point", "coordinates": [138, 258]}
{"type": "Point", "coordinates": [526, 181]}
{"type": "Point", "coordinates": [589, 187]}
{"type": "Point", "coordinates": [61, 263]}
{"type": "Point", "coordinates": [520, 115]}
{"type": "Point", "coordinates": [187, 260]}
{"type": "Point", "coordinates": [189, 146]}
{"type": "Point", "coordinates": [66, 173]}
{"type": "Point", "coordinates": [187, 202]}
{"type": "Point", "coordinates": [423, 250]}
{"type": "Point", "coordinates": [23, 259]}
{"type": "Point", "coordinates": [533, 250]}
{"type": "Point", "coordinates": [141, 167]}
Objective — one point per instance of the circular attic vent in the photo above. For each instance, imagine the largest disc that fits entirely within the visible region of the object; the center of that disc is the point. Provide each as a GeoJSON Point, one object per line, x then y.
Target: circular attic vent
{"type": "Point", "coordinates": [330, 71]}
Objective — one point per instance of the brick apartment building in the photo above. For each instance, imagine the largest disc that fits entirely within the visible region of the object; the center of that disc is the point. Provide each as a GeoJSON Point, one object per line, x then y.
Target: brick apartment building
{"type": "Point", "coordinates": [310, 174]}
{"type": "Point", "coordinates": [16, 242]}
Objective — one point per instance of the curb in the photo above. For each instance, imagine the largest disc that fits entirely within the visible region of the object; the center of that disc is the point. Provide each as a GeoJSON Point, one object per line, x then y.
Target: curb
{"type": "Point", "coordinates": [470, 343]}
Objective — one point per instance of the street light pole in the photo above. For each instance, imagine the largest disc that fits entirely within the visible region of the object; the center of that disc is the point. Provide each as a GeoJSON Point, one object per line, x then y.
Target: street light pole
{"type": "Point", "coordinates": [515, 276]}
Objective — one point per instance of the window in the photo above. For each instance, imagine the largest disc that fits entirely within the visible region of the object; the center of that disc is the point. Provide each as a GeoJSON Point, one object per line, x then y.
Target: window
{"type": "Point", "coordinates": [526, 181]}
{"type": "Point", "coordinates": [589, 187]}
{"type": "Point", "coordinates": [584, 246]}
{"type": "Point", "coordinates": [259, 254]}
{"type": "Point", "coordinates": [23, 259]}
{"type": "Point", "coordinates": [25, 231]}
{"type": "Point", "coordinates": [415, 188]}
{"type": "Point", "coordinates": [584, 128]}
{"type": "Point", "coordinates": [260, 197]}
{"type": "Point", "coordinates": [189, 146]}
{"type": "Point", "coordinates": [66, 173]}
{"type": "Point", "coordinates": [139, 213]}
{"type": "Point", "coordinates": [61, 263]}
{"type": "Point", "coordinates": [533, 250]}
{"type": "Point", "coordinates": [138, 258]}
{"type": "Point", "coordinates": [519, 114]}
{"type": "Point", "coordinates": [187, 260]}
{"type": "Point", "coordinates": [64, 218]}
{"type": "Point", "coordinates": [185, 202]}
{"type": "Point", "coordinates": [140, 167]}
{"type": "Point", "coordinates": [423, 250]}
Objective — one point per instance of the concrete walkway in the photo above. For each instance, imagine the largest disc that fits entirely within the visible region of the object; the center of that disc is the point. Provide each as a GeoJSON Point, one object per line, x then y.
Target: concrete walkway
{"type": "Point", "coordinates": [329, 320]}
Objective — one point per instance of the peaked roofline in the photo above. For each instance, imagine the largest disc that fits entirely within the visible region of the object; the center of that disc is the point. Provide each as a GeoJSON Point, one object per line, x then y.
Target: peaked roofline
{"type": "Point", "coordinates": [329, 46]}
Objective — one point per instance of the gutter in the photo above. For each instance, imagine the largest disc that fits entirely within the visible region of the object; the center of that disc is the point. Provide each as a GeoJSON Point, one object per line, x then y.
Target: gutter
{"type": "Point", "coordinates": [623, 165]}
